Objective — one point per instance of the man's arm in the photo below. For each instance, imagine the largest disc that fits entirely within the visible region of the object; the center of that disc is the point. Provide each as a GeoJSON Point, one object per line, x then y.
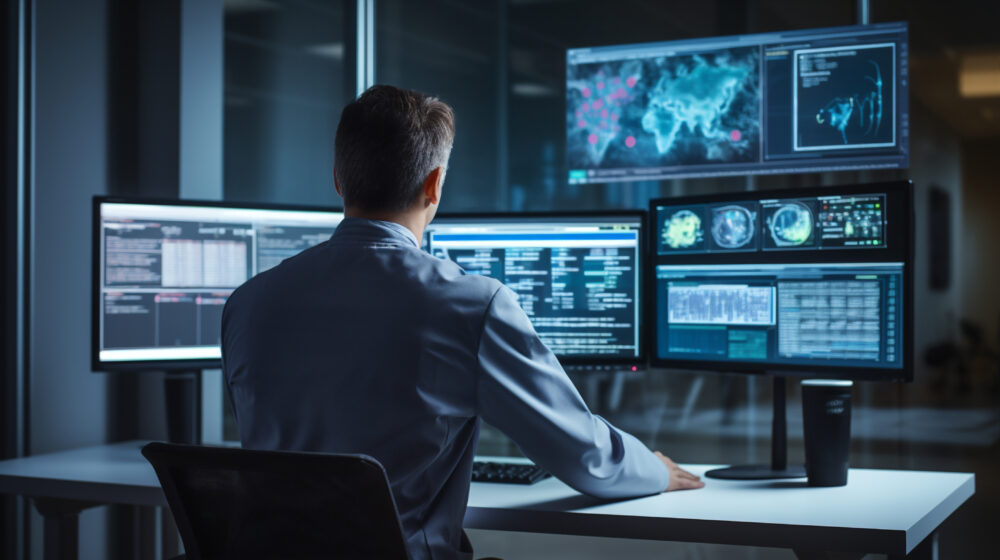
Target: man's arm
{"type": "Point", "coordinates": [524, 392]}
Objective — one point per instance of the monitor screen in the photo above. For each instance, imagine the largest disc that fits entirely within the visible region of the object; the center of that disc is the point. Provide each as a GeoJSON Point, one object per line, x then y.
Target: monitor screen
{"type": "Point", "coordinates": [579, 278]}
{"type": "Point", "coordinates": [163, 272]}
{"type": "Point", "coordinates": [817, 223]}
{"type": "Point", "coordinates": [848, 314]}
{"type": "Point", "coordinates": [800, 101]}
{"type": "Point", "coordinates": [808, 280]}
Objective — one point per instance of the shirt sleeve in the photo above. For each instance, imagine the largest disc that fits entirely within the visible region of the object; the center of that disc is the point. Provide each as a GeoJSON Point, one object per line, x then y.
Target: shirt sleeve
{"type": "Point", "coordinates": [524, 392]}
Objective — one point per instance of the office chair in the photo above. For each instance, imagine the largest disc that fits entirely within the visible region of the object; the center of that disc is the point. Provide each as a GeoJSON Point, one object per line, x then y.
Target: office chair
{"type": "Point", "coordinates": [238, 503]}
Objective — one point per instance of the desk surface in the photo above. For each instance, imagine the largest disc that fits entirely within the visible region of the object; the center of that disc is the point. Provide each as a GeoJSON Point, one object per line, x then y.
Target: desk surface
{"type": "Point", "coordinates": [878, 511]}
{"type": "Point", "coordinates": [111, 474]}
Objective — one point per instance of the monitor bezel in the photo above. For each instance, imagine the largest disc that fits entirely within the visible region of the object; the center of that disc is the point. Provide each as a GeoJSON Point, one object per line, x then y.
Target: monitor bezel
{"type": "Point", "coordinates": [901, 189]}
{"type": "Point", "coordinates": [641, 359]}
{"type": "Point", "coordinates": [99, 366]}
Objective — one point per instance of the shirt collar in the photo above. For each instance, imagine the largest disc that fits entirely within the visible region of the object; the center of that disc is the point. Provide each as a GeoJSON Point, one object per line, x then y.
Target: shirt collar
{"type": "Point", "coordinates": [397, 230]}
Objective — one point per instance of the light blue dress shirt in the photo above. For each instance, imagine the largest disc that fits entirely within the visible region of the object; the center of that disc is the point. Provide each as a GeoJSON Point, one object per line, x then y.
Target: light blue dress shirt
{"type": "Point", "coordinates": [367, 344]}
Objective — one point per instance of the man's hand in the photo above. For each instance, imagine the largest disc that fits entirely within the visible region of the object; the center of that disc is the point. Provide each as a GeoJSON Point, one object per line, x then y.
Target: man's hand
{"type": "Point", "coordinates": [680, 479]}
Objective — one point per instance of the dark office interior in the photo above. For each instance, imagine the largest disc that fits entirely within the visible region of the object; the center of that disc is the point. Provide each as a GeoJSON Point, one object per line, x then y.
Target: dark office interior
{"type": "Point", "coordinates": [238, 101]}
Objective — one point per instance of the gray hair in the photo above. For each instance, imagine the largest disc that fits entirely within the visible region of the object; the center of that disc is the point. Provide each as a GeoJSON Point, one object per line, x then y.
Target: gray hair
{"type": "Point", "coordinates": [388, 141]}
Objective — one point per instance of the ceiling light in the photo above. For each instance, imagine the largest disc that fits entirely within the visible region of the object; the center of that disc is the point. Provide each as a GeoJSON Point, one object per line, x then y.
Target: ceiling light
{"type": "Point", "coordinates": [979, 75]}
{"type": "Point", "coordinates": [328, 50]}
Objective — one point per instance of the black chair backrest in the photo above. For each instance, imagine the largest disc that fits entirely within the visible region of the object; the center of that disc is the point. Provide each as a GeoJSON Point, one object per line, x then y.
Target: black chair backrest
{"type": "Point", "coordinates": [239, 503]}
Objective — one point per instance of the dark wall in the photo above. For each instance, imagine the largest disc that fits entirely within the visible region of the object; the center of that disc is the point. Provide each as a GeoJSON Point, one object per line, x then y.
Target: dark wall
{"type": "Point", "coordinates": [71, 136]}
{"type": "Point", "coordinates": [143, 79]}
{"type": "Point", "coordinates": [8, 231]}
{"type": "Point", "coordinates": [978, 232]}
{"type": "Point", "coordinates": [107, 106]}
{"type": "Point", "coordinates": [8, 236]}
{"type": "Point", "coordinates": [68, 403]}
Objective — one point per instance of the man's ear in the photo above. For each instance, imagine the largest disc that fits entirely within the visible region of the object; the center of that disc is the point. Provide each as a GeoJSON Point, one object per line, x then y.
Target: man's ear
{"type": "Point", "coordinates": [336, 184]}
{"type": "Point", "coordinates": [432, 186]}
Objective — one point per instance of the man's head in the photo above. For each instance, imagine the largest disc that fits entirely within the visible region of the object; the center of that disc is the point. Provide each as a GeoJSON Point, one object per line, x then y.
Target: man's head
{"type": "Point", "coordinates": [391, 151]}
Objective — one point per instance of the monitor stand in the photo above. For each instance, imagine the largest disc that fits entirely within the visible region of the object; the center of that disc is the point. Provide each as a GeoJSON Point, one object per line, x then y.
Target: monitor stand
{"type": "Point", "coordinates": [182, 390]}
{"type": "Point", "coordinates": [779, 447]}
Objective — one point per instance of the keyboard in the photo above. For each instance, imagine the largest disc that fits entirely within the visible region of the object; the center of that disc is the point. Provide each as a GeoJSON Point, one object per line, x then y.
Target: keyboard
{"type": "Point", "coordinates": [507, 473]}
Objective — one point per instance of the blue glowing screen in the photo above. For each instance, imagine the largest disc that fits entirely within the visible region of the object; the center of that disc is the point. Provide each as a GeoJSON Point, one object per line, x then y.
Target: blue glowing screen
{"type": "Point", "coordinates": [819, 100]}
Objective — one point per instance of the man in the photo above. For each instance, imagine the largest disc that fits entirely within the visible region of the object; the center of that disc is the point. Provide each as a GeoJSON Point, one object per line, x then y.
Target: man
{"type": "Point", "coordinates": [367, 344]}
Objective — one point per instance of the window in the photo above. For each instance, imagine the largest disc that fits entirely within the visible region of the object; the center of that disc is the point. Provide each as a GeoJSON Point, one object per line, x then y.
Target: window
{"type": "Point", "coordinates": [289, 71]}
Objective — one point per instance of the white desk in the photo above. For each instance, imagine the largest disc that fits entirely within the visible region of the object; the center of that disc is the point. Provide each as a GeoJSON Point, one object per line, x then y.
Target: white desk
{"type": "Point", "coordinates": [881, 511]}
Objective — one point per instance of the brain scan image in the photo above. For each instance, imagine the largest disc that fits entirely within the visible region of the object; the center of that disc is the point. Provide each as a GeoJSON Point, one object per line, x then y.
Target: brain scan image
{"type": "Point", "coordinates": [682, 230]}
{"type": "Point", "coordinates": [732, 227]}
{"type": "Point", "coordinates": [791, 225]}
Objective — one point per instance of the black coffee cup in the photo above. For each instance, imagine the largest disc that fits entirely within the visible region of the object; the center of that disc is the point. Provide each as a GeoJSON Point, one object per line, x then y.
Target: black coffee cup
{"type": "Point", "coordinates": [826, 421]}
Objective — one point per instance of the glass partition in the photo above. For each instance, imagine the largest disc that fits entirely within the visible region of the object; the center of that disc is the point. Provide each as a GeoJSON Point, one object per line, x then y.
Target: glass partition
{"type": "Point", "coordinates": [289, 70]}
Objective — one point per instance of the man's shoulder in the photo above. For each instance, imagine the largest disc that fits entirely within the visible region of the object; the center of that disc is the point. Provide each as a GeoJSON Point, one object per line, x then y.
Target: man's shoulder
{"type": "Point", "coordinates": [284, 272]}
{"type": "Point", "coordinates": [449, 279]}
{"type": "Point", "coordinates": [415, 270]}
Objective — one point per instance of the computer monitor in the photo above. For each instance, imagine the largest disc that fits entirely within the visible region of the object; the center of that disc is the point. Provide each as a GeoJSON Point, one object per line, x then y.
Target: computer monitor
{"type": "Point", "coordinates": [164, 269]}
{"type": "Point", "coordinates": [800, 101]}
{"type": "Point", "coordinates": [579, 277]}
{"type": "Point", "coordinates": [814, 281]}
{"type": "Point", "coordinates": [807, 282]}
